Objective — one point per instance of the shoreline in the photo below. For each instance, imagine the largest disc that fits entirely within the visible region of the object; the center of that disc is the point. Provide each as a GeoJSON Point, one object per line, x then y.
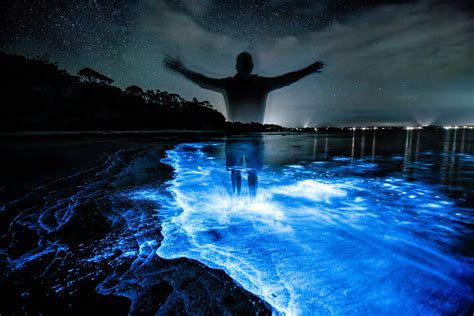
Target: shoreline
{"type": "Point", "coordinates": [100, 244]}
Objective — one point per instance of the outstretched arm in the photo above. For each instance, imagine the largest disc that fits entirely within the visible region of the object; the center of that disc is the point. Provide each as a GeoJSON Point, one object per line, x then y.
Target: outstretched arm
{"type": "Point", "coordinates": [291, 77]}
{"type": "Point", "coordinates": [203, 81]}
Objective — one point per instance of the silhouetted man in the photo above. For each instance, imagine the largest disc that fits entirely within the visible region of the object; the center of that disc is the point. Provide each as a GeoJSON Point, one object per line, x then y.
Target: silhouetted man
{"type": "Point", "coordinates": [245, 94]}
{"type": "Point", "coordinates": [245, 97]}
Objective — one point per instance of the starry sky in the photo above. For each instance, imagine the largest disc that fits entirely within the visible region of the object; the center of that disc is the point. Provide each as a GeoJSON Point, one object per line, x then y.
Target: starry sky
{"type": "Point", "coordinates": [387, 62]}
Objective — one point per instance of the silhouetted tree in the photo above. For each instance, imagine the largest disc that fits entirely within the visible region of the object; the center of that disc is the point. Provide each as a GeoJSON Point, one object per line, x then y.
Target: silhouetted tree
{"type": "Point", "coordinates": [43, 97]}
{"type": "Point", "coordinates": [43, 58]}
{"type": "Point", "coordinates": [92, 76]}
{"type": "Point", "coordinates": [149, 95]}
{"type": "Point", "coordinates": [134, 90]}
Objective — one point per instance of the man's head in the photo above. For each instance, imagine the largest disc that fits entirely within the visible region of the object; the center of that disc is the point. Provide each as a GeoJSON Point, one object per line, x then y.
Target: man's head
{"type": "Point", "coordinates": [244, 64]}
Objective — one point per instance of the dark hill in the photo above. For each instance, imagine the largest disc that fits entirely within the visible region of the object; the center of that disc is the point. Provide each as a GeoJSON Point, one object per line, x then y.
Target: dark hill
{"type": "Point", "coordinates": [38, 95]}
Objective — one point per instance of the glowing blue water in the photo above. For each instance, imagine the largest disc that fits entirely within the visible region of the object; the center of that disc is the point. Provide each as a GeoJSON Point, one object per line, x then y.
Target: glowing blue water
{"type": "Point", "coordinates": [341, 224]}
{"type": "Point", "coordinates": [319, 245]}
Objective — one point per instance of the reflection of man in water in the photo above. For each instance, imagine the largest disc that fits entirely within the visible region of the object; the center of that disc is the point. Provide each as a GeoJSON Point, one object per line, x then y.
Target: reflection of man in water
{"type": "Point", "coordinates": [244, 154]}
{"type": "Point", "coordinates": [245, 97]}
{"type": "Point", "coordinates": [245, 94]}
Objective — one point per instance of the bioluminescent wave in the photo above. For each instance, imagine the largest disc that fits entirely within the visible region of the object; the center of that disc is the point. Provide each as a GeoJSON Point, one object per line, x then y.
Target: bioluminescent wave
{"type": "Point", "coordinates": [313, 244]}
{"type": "Point", "coordinates": [338, 226]}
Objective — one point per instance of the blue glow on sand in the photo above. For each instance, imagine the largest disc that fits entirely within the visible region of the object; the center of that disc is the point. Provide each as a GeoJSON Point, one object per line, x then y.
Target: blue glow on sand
{"type": "Point", "coordinates": [317, 245]}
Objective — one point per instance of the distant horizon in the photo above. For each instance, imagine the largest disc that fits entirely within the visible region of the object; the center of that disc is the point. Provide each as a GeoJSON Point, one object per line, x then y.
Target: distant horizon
{"type": "Point", "coordinates": [151, 131]}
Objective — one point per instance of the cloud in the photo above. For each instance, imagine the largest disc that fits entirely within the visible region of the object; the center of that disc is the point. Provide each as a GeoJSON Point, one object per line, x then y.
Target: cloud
{"type": "Point", "coordinates": [412, 60]}
{"type": "Point", "coordinates": [412, 40]}
{"type": "Point", "coordinates": [197, 7]}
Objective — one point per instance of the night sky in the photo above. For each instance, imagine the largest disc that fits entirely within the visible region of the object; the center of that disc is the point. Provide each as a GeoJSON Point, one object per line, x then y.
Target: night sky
{"type": "Point", "coordinates": [387, 62]}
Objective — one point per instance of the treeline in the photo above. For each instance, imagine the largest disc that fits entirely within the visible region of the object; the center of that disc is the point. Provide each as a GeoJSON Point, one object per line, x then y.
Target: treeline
{"type": "Point", "coordinates": [37, 95]}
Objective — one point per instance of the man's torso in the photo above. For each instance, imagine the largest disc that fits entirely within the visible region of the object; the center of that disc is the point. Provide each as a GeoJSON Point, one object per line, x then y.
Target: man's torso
{"type": "Point", "coordinates": [246, 99]}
